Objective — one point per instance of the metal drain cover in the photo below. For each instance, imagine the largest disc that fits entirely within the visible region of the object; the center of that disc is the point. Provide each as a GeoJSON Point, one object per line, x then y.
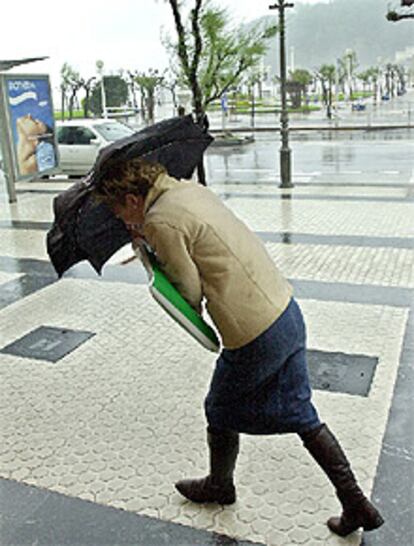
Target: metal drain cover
{"type": "Point", "coordinates": [340, 372]}
{"type": "Point", "coordinates": [46, 343]}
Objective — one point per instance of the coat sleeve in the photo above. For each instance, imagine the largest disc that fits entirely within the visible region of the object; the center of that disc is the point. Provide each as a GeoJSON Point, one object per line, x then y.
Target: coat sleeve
{"type": "Point", "coordinates": [172, 248]}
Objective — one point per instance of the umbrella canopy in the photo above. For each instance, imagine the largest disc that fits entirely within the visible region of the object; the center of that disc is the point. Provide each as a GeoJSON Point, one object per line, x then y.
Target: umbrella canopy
{"type": "Point", "coordinates": [176, 143]}
{"type": "Point", "coordinates": [86, 230]}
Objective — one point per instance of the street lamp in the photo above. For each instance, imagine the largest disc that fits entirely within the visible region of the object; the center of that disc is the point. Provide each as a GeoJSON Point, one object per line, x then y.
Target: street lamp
{"type": "Point", "coordinates": [99, 66]}
{"type": "Point", "coordinates": [348, 59]}
{"type": "Point", "coordinates": [285, 152]}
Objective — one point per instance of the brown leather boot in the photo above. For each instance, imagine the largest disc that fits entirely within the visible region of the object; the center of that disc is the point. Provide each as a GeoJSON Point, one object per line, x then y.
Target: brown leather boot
{"type": "Point", "coordinates": [218, 486]}
{"type": "Point", "coordinates": [357, 509]}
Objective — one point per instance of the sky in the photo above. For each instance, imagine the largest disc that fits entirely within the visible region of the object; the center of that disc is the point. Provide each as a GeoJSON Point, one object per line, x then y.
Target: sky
{"type": "Point", "coordinates": [123, 34]}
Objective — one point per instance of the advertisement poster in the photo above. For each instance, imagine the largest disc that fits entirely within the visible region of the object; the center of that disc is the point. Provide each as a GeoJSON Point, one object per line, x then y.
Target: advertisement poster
{"type": "Point", "coordinates": [32, 124]}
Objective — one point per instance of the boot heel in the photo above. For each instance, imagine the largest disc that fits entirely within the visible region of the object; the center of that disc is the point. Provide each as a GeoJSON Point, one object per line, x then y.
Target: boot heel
{"type": "Point", "coordinates": [375, 523]}
{"type": "Point", "coordinates": [229, 497]}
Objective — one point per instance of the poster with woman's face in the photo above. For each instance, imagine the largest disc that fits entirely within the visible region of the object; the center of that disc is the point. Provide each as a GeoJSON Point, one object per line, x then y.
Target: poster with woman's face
{"type": "Point", "coordinates": [32, 124]}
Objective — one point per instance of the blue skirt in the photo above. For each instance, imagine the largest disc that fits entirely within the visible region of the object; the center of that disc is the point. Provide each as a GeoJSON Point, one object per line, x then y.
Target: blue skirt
{"type": "Point", "coordinates": [263, 387]}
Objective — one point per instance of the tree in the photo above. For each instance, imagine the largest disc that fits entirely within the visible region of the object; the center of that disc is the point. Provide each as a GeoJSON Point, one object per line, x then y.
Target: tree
{"type": "Point", "coordinates": [326, 74]}
{"type": "Point", "coordinates": [369, 77]}
{"type": "Point", "coordinates": [365, 77]}
{"type": "Point", "coordinates": [394, 72]}
{"type": "Point", "coordinates": [251, 79]}
{"type": "Point", "coordinates": [297, 86]}
{"type": "Point", "coordinates": [64, 86]}
{"type": "Point", "coordinates": [400, 72]}
{"type": "Point", "coordinates": [87, 86]}
{"type": "Point", "coordinates": [116, 92]}
{"type": "Point", "coordinates": [212, 56]}
{"type": "Point", "coordinates": [70, 82]}
{"type": "Point", "coordinates": [170, 83]}
{"type": "Point", "coordinates": [132, 84]}
{"type": "Point", "coordinates": [349, 63]}
{"type": "Point", "coordinates": [374, 77]}
{"type": "Point", "coordinates": [148, 84]}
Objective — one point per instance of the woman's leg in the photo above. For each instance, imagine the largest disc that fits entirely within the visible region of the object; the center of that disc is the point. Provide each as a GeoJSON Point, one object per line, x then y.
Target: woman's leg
{"type": "Point", "coordinates": [218, 486]}
{"type": "Point", "coordinates": [357, 509]}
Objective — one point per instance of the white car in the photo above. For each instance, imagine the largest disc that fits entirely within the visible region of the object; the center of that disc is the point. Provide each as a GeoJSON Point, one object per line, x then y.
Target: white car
{"type": "Point", "coordinates": [79, 142]}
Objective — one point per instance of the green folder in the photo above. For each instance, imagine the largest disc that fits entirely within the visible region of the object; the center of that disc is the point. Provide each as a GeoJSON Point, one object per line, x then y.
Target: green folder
{"type": "Point", "coordinates": [175, 305]}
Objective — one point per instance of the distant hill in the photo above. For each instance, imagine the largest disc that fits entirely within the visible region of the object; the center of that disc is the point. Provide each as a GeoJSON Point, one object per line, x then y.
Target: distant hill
{"type": "Point", "coordinates": [321, 33]}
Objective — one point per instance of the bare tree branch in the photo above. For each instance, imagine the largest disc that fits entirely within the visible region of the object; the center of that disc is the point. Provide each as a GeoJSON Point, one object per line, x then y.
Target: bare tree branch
{"type": "Point", "coordinates": [242, 66]}
{"type": "Point", "coordinates": [182, 46]}
{"type": "Point", "coordinates": [198, 99]}
{"type": "Point", "coordinates": [195, 16]}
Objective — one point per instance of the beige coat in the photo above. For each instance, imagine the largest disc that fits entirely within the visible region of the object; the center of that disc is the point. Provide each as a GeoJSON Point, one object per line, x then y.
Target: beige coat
{"type": "Point", "coordinates": [206, 251]}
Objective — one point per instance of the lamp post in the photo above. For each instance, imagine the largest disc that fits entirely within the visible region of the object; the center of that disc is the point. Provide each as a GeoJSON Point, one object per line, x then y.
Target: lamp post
{"type": "Point", "coordinates": [285, 152]}
{"type": "Point", "coordinates": [337, 92]}
{"type": "Point", "coordinates": [99, 66]}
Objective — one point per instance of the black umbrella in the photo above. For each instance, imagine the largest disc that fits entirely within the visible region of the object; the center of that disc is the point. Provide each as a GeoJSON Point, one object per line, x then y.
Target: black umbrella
{"type": "Point", "coordinates": [176, 143]}
{"type": "Point", "coordinates": [86, 230]}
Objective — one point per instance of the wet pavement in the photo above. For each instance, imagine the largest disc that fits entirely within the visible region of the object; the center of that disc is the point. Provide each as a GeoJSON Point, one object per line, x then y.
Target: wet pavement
{"type": "Point", "coordinates": [95, 434]}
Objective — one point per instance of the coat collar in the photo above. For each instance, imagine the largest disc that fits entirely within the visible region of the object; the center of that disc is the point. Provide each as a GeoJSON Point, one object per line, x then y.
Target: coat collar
{"type": "Point", "coordinates": [163, 183]}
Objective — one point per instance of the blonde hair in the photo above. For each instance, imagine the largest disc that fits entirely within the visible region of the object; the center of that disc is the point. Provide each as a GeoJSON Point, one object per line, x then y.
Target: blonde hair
{"type": "Point", "coordinates": [135, 176]}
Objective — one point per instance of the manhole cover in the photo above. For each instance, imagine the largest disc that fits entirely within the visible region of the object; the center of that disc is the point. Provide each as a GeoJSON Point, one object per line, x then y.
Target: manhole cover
{"type": "Point", "coordinates": [46, 343]}
{"type": "Point", "coordinates": [340, 372]}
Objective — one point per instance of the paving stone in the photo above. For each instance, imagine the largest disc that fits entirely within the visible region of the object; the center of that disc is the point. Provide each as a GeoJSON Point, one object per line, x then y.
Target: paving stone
{"type": "Point", "coordinates": [104, 497]}
{"type": "Point", "coordinates": [277, 538]}
{"type": "Point", "coordinates": [305, 520]}
{"type": "Point", "coordinates": [309, 505]}
{"type": "Point", "coordinates": [228, 522]}
{"type": "Point", "coordinates": [268, 512]}
{"type": "Point", "coordinates": [320, 532]}
{"type": "Point", "coordinates": [147, 492]}
{"type": "Point", "coordinates": [116, 484]}
{"type": "Point", "coordinates": [136, 504]}
{"type": "Point", "coordinates": [253, 501]}
{"type": "Point", "coordinates": [299, 536]}
{"type": "Point", "coordinates": [50, 482]}
{"type": "Point", "coordinates": [88, 477]}
{"type": "Point", "coordinates": [126, 472]}
{"type": "Point", "coordinates": [126, 493]}
{"type": "Point", "coordinates": [65, 480]}
{"type": "Point", "coordinates": [246, 515]}
{"type": "Point", "coordinates": [294, 496]}
{"type": "Point", "coordinates": [151, 513]}
{"type": "Point", "coordinates": [283, 523]}
{"type": "Point", "coordinates": [80, 468]}
{"type": "Point", "coordinates": [21, 473]}
{"type": "Point", "coordinates": [288, 509]}
{"type": "Point", "coordinates": [171, 512]}
{"type": "Point", "coordinates": [260, 489]}
{"type": "Point", "coordinates": [260, 526]}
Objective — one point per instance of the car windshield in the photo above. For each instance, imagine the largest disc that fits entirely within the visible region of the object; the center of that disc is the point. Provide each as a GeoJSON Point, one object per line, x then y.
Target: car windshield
{"type": "Point", "coordinates": [113, 131]}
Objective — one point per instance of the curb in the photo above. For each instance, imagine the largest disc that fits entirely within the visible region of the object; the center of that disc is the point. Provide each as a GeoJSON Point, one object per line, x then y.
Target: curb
{"type": "Point", "coordinates": [316, 128]}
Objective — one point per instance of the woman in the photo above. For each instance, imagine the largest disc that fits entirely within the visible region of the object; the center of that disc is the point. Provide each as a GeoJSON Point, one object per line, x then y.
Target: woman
{"type": "Point", "coordinates": [260, 384]}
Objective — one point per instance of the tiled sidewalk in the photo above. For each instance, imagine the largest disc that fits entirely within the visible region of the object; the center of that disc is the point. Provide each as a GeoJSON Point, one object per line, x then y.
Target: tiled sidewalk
{"type": "Point", "coordinates": [119, 419]}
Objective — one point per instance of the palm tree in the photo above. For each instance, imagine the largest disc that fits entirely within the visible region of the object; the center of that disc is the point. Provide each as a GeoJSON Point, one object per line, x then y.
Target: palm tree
{"type": "Point", "coordinates": [326, 74]}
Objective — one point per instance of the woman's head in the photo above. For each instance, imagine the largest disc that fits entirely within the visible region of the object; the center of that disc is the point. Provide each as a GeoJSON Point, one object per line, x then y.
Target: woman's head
{"type": "Point", "coordinates": [126, 185]}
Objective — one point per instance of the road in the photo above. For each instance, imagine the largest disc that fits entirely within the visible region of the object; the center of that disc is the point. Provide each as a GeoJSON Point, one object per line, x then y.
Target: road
{"type": "Point", "coordinates": [386, 157]}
